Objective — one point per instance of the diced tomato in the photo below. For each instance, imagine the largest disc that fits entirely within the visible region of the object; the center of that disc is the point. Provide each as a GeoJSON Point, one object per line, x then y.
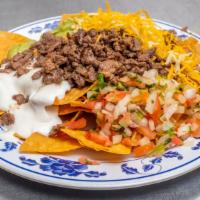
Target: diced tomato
{"type": "Point", "coordinates": [195, 133]}
{"type": "Point", "coordinates": [146, 132]}
{"type": "Point", "coordinates": [176, 141]}
{"type": "Point", "coordinates": [143, 150]}
{"type": "Point", "coordinates": [190, 102]}
{"type": "Point", "coordinates": [134, 83]}
{"type": "Point", "coordinates": [100, 97]}
{"type": "Point", "coordinates": [157, 112]}
{"type": "Point", "coordinates": [78, 124]}
{"type": "Point", "coordinates": [115, 96]}
{"type": "Point", "coordinates": [99, 139]}
{"type": "Point", "coordinates": [127, 141]}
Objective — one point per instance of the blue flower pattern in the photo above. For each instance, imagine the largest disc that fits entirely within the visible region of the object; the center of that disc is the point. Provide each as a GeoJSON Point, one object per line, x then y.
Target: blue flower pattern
{"type": "Point", "coordinates": [173, 154]}
{"type": "Point", "coordinates": [151, 163]}
{"type": "Point", "coordinates": [62, 167]}
{"type": "Point", "coordinates": [8, 146]}
{"type": "Point", "coordinates": [196, 147]}
{"type": "Point", "coordinates": [128, 170]}
{"type": "Point", "coordinates": [46, 27]}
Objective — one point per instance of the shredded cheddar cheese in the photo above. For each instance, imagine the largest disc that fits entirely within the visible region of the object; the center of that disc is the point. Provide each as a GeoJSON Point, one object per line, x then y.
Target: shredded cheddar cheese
{"type": "Point", "coordinates": [182, 55]}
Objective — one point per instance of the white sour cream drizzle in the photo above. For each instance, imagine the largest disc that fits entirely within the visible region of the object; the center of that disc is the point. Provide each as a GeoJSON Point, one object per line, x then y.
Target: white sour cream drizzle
{"type": "Point", "coordinates": [34, 116]}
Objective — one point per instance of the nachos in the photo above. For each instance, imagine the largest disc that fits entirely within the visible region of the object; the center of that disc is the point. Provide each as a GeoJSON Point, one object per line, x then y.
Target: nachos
{"type": "Point", "coordinates": [107, 81]}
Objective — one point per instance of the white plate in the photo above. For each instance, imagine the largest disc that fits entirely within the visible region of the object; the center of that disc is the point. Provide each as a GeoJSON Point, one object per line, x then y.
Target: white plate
{"type": "Point", "coordinates": [65, 171]}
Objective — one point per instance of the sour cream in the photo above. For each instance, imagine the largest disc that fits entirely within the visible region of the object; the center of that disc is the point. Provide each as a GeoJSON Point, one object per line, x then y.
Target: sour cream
{"type": "Point", "coordinates": [38, 115]}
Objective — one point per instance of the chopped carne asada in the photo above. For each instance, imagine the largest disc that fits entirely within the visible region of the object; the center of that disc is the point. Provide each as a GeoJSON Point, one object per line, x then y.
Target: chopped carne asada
{"type": "Point", "coordinates": [7, 119]}
{"type": "Point", "coordinates": [79, 57]}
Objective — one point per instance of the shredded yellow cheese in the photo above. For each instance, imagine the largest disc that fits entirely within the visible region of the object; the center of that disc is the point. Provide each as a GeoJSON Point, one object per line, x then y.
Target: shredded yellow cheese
{"type": "Point", "coordinates": [182, 55]}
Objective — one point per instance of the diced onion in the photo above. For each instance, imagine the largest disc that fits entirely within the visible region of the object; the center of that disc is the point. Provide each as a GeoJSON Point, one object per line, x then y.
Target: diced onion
{"type": "Point", "coordinates": [107, 89]}
{"type": "Point", "coordinates": [169, 111]}
{"type": "Point", "coordinates": [183, 129]}
{"type": "Point", "coordinates": [151, 74]}
{"type": "Point", "coordinates": [143, 122]}
{"type": "Point", "coordinates": [109, 106]}
{"type": "Point", "coordinates": [135, 92]}
{"type": "Point", "coordinates": [151, 125]}
{"type": "Point", "coordinates": [98, 106]}
{"type": "Point", "coordinates": [121, 106]}
{"type": "Point", "coordinates": [116, 139]}
{"type": "Point", "coordinates": [167, 125]}
{"type": "Point", "coordinates": [128, 131]}
{"type": "Point", "coordinates": [106, 112]}
{"type": "Point", "coordinates": [144, 141]}
{"type": "Point", "coordinates": [151, 102]}
{"type": "Point", "coordinates": [180, 109]}
{"type": "Point", "coordinates": [190, 93]}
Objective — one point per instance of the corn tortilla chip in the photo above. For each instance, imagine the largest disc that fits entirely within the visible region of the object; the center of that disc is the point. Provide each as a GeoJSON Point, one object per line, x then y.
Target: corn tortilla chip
{"type": "Point", "coordinates": [38, 143]}
{"type": "Point", "coordinates": [67, 109]}
{"type": "Point", "coordinates": [7, 41]}
{"type": "Point", "coordinates": [80, 136]}
{"type": "Point", "coordinates": [73, 95]}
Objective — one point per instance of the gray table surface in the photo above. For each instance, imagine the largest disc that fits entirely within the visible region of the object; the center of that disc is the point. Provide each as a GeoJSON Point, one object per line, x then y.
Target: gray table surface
{"type": "Point", "coordinates": [181, 12]}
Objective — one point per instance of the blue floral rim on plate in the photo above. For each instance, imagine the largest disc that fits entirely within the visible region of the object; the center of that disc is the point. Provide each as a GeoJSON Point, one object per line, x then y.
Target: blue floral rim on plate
{"type": "Point", "coordinates": [67, 169]}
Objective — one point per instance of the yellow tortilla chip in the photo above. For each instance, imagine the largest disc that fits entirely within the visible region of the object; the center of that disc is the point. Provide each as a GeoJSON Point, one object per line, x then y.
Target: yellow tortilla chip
{"type": "Point", "coordinates": [80, 136]}
{"type": "Point", "coordinates": [67, 109]}
{"type": "Point", "coordinates": [38, 143]}
{"type": "Point", "coordinates": [73, 95]}
{"type": "Point", "coordinates": [7, 41]}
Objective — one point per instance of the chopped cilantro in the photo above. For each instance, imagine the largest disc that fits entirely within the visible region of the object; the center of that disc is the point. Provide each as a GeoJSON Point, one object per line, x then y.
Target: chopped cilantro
{"type": "Point", "coordinates": [170, 132]}
{"type": "Point", "coordinates": [151, 85]}
{"type": "Point", "coordinates": [101, 81]}
{"type": "Point", "coordinates": [158, 150]}
{"type": "Point", "coordinates": [121, 86]}
{"type": "Point", "coordinates": [139, 114]}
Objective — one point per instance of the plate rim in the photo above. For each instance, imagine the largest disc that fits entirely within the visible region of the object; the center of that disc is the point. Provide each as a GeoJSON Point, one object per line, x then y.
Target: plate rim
{"type": "Point", "coordinates": [124, 184]}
